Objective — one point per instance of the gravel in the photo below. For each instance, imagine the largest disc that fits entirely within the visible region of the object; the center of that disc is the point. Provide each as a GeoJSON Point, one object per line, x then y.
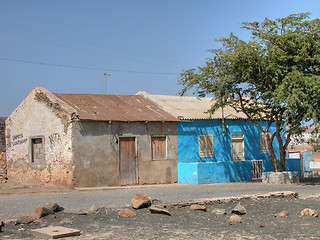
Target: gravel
{"type": "Point", "coordinates": [258, 223]}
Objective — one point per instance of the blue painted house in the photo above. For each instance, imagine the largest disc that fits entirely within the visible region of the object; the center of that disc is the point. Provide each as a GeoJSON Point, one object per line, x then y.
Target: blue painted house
{"type": "Point", "coordinates": [221, 147]}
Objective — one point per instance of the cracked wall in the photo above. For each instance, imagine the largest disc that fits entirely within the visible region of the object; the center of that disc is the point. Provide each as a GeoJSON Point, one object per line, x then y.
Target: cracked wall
{"type": "Point", "coordinates": [96, 152]}
{"type": "Point", "coordinates": [36, 125]}
{"type": "Point", "coordinates": [3, 160]}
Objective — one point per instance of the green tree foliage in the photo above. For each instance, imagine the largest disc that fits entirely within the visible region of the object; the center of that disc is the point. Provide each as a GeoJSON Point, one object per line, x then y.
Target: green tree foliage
{"type": "Point", "coordinates": [274, 76]}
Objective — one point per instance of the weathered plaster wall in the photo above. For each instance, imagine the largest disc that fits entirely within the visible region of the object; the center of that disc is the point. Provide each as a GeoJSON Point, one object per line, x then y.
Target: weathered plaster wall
{"type": "Point", "coordinates": [38, 117]}
{"type": "Point", "coordinates": [2, 134]}
{"type": "Point", "coordinates": [188, 143]}
{"type": "Point", "coordinates": [3, 160]}
{"type": "Point", "coordinates": [96, 147]}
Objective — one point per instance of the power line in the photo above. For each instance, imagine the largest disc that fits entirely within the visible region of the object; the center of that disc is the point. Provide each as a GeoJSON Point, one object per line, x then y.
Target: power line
{"type": "Point", "coordinates": [81, 49]}
{"type": "Point", "coordinates": [82, 67]}
{"type": "Point", "coordinates": [88, 42]}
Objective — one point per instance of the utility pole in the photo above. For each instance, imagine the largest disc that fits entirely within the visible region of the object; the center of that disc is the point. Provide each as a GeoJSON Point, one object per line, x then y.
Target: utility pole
{"type": "Point", "coordinates": [105, 81]}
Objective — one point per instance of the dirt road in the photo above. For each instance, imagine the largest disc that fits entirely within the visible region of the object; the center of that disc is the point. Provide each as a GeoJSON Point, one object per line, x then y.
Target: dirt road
{"type": "Point", "coordinates": [22, 199]}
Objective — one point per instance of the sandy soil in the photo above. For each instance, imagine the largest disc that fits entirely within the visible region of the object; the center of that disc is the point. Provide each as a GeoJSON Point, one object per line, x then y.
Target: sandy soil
{"type": "Point", "coordinates": [258, 223]}
{"type": "Point", "coordinates": [13, 186]}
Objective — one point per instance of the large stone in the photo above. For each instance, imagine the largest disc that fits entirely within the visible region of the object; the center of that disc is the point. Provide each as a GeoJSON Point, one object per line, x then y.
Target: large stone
{"type": "Point", "coordinates": [234, 219]}
{"type": "Point", "coordinates": [140, 201]}
{"type": "Point", "coordinates": [239, 209]}
{"type": "Point", "coordinates": [280, 177]}
{"type": "Point", "coordinates": [197, 207]}
{"type": "Point", "coordinates": [281, 214]}
{"type": "Point", "coordinates": [25, 219]}
{"type": "Point", "coordinates": [53, 207]}
{"type": "Point", "coordinates": [159, 210]}
{"type": "Point", "coordinates": [42, 212]}
{"type": "Point", "coordinates": [309, 212]}
{"type": "Point", "coordinates": [126, 213]}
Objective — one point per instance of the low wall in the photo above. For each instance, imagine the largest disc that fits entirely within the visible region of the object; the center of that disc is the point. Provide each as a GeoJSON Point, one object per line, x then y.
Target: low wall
{"type": "Point", "coordinates": [292, 164]}
{"type": "Point", "coordinates": [221, 172]}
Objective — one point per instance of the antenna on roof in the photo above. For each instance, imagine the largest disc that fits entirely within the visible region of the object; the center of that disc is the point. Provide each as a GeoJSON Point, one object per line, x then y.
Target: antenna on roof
{"type": "Point", "coordinates": [105, 81]}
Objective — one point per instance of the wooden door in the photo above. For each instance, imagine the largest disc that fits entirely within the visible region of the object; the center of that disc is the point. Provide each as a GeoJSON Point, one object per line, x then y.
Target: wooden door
{"type": "Point", "coordinates": [127, 164]}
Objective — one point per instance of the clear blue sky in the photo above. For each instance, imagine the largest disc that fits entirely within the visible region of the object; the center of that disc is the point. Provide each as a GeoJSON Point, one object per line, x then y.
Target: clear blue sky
{"type": "Point", "coordinates": [66, 46]}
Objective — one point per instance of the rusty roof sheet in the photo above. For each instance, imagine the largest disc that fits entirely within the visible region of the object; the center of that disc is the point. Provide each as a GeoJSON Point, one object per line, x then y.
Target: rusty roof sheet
{"type": "Point", "coordinates": [125, 108]}
{"type": "Point", "coordinates": [191, 108]}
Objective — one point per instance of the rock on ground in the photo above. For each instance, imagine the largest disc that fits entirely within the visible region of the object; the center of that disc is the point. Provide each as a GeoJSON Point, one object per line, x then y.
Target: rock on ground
{"type": "Point", "coordinates": [234, 219]}
{"type": "Point", "coordinates": [159, 210]}
{"type": "Point", "coordinates": [42, 211]}
{"type": "Point", "coordinates": [140, 201]}
{"type": "Point", "coordinates": [239, 209]}
{"type": "Point", "coordinates": [281, 214]}
{"type": "Point", "coordinates": [309, 212]}
{"type": "Point", "coordinates": [126, 213]}
{"type": "Point", "coordinates": [197, 207]}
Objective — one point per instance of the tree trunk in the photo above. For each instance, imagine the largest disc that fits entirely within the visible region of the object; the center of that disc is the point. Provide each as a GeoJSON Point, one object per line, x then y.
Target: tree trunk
{"type": "Point", "coordinates": [272, 156]}
{"type": "Point", "coordinates": [282, 148]}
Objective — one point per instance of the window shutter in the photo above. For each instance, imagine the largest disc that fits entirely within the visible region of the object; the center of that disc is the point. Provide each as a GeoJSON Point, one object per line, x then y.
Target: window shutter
{"type": "Point", "coordinates": [206, 146]}
{"type": "Point", "coordinates": [264, 143]}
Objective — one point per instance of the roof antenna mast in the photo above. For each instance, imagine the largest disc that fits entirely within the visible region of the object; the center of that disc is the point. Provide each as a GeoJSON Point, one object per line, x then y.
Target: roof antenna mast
{"type": "Point", "coordinates": [105, 81]}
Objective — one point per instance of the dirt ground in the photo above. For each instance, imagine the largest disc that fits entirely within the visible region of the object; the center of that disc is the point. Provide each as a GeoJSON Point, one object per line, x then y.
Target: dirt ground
{"type": "Point", "coordinates": [13, 186]}
{"type": "Point", "coordinates": [258, 223]}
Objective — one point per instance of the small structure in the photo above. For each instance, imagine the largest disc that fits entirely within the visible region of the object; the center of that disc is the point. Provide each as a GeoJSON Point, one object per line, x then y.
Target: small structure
{"type": "Point", "coordinates": [88, 140]}
{"type": "Point", "coordinates": [219, 147]}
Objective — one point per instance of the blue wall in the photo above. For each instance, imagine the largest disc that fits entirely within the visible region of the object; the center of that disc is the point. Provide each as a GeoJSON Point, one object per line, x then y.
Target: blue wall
{"type": "Point", "coordinates": [188, 145]}
{"type": "Point", "coordinates": [221, 172]}
{"type": "Point", "coordinates": [195, 170]}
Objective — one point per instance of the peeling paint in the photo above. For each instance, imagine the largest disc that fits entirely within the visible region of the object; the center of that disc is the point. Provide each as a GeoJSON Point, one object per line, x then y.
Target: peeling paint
{"type": "Point", "coordinates": [38, 117]}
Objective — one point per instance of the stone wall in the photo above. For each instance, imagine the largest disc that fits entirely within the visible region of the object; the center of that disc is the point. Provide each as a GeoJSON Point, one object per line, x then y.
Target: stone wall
{"type": "Point", "coordinates": [2, 135]}
{"type": "Point", "coordinates": [37, 123]}
{"type": "Point", "coordinates": [3, 167]}
{"type": "Point", "coordinates": [3, 160]}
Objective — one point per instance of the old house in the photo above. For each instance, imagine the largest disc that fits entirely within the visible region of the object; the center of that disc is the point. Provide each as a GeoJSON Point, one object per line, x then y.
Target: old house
{"type": "Point", "coordinates": [91, 140]}
{"type": "Point", "coordinates": [219, 147]}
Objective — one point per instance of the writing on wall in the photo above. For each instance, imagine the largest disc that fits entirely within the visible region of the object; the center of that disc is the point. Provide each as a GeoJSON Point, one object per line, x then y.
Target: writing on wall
{"type": "Point", "coordinates": [18, 139]}
{"type": "Point", "coordinates": [54, 139]}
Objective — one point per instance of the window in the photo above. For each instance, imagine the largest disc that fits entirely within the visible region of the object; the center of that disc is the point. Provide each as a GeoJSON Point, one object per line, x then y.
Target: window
{"type": "Point", "coordinates": [206, 146]}
{"type": "Point", "coordinates": [37, 152]}
{"type": "Point", "coordinates": [159, 147]}
{"type": "Point", "coordinates": [264, 143]}
{"type": "Point", "coordinates": [237, 146]}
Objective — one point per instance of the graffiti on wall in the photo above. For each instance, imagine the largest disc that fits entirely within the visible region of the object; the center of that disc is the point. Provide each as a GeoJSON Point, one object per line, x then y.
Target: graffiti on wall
{"type": "Point", "coordinates": [54, 139]}
{"type": "Point", "coordinates": [18, 139]}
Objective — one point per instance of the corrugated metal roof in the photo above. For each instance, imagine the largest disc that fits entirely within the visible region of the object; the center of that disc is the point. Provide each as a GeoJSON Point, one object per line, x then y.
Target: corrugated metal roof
{"type": "Point", "coordinates": [115, 107]}
{"type": "Point", "coordinates": [191, 108]}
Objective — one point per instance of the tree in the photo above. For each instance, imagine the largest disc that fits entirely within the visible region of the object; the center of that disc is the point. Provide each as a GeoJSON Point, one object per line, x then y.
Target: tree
{"type": "Point", "coordinates": [274, 76]}
{"type": "Point", "coordinates": [315, 138]}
